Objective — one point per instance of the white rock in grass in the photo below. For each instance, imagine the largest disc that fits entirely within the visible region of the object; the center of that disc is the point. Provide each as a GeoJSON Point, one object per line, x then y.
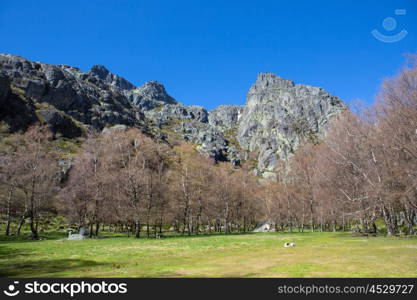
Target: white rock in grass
{"type": "Point", "coordinates": [75, 237]}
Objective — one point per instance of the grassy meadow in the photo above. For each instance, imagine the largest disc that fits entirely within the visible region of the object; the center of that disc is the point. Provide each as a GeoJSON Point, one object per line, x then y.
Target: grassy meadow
{"type": "Point", "coordinates": [249, 255]}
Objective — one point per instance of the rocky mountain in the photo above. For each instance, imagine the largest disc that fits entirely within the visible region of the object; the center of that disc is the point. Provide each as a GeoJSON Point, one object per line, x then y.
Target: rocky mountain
{"type": "Point", "coordinates": [65, 97]}
{"type": "Point", "coordinates": [149, 96]}
{"type": "Point", "coordinates": [277, 117]}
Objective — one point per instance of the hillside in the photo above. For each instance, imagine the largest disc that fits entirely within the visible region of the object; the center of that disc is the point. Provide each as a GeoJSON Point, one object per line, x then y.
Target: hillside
{"type": "Point", "coordinates": [277, 117]}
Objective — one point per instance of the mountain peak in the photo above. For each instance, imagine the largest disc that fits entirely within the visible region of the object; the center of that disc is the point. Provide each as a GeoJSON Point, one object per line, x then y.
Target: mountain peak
{"type": "Point", "coordinates": [104, 74]}
{"type": "Point", "coordinates": [100, 70]}
{"type": "Point", "coordinates": [154, 90]}
{"type": "Point", "coordinates": [268, 79]}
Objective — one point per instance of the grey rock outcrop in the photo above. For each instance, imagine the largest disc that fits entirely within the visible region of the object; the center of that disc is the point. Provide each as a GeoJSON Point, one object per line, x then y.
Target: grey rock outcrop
{"type": "Point", "coordinates": [150, 95]}
{"type": "Point", "coordinates": [65, 164]}
{"type": "Point", "coordinates": [265, 227]}
{"type": "Point", "coordinates": [279, 115]}
{"type": "Point", "coordinates": [190, 123]}
{"type": "Point", "coordinates": [225, 116]}
{"type": "Point", "coordinates": [212, 131]}
{"type": "Point", "coordinates": [167, 113]}
{"type": "Point", "coordinates": [86, 97]}
{"type": "Point", "coordinates": [109, 78]}
{"type": "Point", "coordinates": [119, 127]}
{"type": "Point", "coordinates": [15, 112]}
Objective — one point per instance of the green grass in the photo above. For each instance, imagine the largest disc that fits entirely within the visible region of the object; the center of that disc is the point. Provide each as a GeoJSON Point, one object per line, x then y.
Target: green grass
{"type": "Point", "coordinates": [249, 255]}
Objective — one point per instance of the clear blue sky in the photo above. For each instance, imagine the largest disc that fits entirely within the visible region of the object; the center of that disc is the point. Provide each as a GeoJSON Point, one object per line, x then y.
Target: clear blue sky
{"type": "Point", "coordinates": [209, 52]}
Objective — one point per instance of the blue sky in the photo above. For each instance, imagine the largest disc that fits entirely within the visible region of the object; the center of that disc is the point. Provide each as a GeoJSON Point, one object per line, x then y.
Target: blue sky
{"type": "Point", "coordinates": [210, 52]}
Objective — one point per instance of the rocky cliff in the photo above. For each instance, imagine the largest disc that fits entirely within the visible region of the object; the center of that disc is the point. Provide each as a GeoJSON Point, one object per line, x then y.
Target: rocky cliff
{"type": "Point", "coordinates": [277, 117]}
{"type": "Point", "coordinates": [79, 99]}
{"type": "Point", "coordinates": [279, 114]}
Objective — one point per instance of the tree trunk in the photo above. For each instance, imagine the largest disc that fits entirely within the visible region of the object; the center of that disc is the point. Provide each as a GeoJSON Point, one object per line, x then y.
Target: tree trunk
{"type": "Point", "coordinates": [189, 224]}
{"type": "Point", "coordinates": [147, 228]}
{"type": "Point", "coordinates": [184, 222]}
{"type": "Point", "coordinates": [226, 218]}
{"type": "Point", "coordinates": [389, 220]}
{"type": "Point", "coordinates": [9, 201]}
{"type": "Point", "coordinates": [137, 229]}
{"type": "Point", "coordinates": [409, 216]}
{"type": "Point", "coordinates": [311, 215]}
{"type": "Point", "coordinates": [22, 221]}
{"type": "Point", "coordinates": [98, 228]}
{"type": "Point", "coordinates": [198, 220]}
{"type": "Point", "coordinates": [90, 233]}
{"type": "Point", "coordinates": [34, 232]}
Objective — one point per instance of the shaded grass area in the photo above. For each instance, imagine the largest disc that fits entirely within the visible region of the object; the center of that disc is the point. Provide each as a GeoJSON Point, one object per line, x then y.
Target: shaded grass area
{"type": "Point", "coordinates": [250, 255]}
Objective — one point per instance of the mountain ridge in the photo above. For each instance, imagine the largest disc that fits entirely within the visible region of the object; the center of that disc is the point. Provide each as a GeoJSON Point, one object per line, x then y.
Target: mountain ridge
{"type": "Point", "coordinates": [274, 121]}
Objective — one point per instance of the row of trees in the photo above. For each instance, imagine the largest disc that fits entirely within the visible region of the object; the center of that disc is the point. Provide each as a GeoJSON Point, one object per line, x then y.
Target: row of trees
{"type": "Point", "coordinates": [364, 170]}
{"type": "Point", "coordinates": [127, 181]}
{"type": "Point", "coordinates": [28, 177]}
{"type": "Point", "coordinates": [136, 183]}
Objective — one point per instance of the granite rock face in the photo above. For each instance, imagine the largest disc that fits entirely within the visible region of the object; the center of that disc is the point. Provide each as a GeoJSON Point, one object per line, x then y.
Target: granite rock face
{"type": "Point", "coordinates": [111, 79]}
{"type": "Point", "coordinates": [191, 123]}
{"type": "Point", "coordinates": [225, 116]}
{"type": "Point", "coordinates": [278, 115]}
{"type": "Point", "coordinates": [212, 131]}
{"type": "Point", "coordinates": [15, 112]}
{"type": "Point", "coordinates": [166, 113]}
{"type": "Point", "coordinates": [85, 97]}
{"type": "Point", "coordinates": [151, 95]}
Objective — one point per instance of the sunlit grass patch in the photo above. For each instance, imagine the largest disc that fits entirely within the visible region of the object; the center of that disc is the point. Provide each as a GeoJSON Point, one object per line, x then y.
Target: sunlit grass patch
{"type": "Point", "coordinates": [250, 255]}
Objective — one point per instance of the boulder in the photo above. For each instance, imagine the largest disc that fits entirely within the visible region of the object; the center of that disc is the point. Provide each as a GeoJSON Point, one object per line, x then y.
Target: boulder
{"type": "Point", "coordinates": [265, 227]}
